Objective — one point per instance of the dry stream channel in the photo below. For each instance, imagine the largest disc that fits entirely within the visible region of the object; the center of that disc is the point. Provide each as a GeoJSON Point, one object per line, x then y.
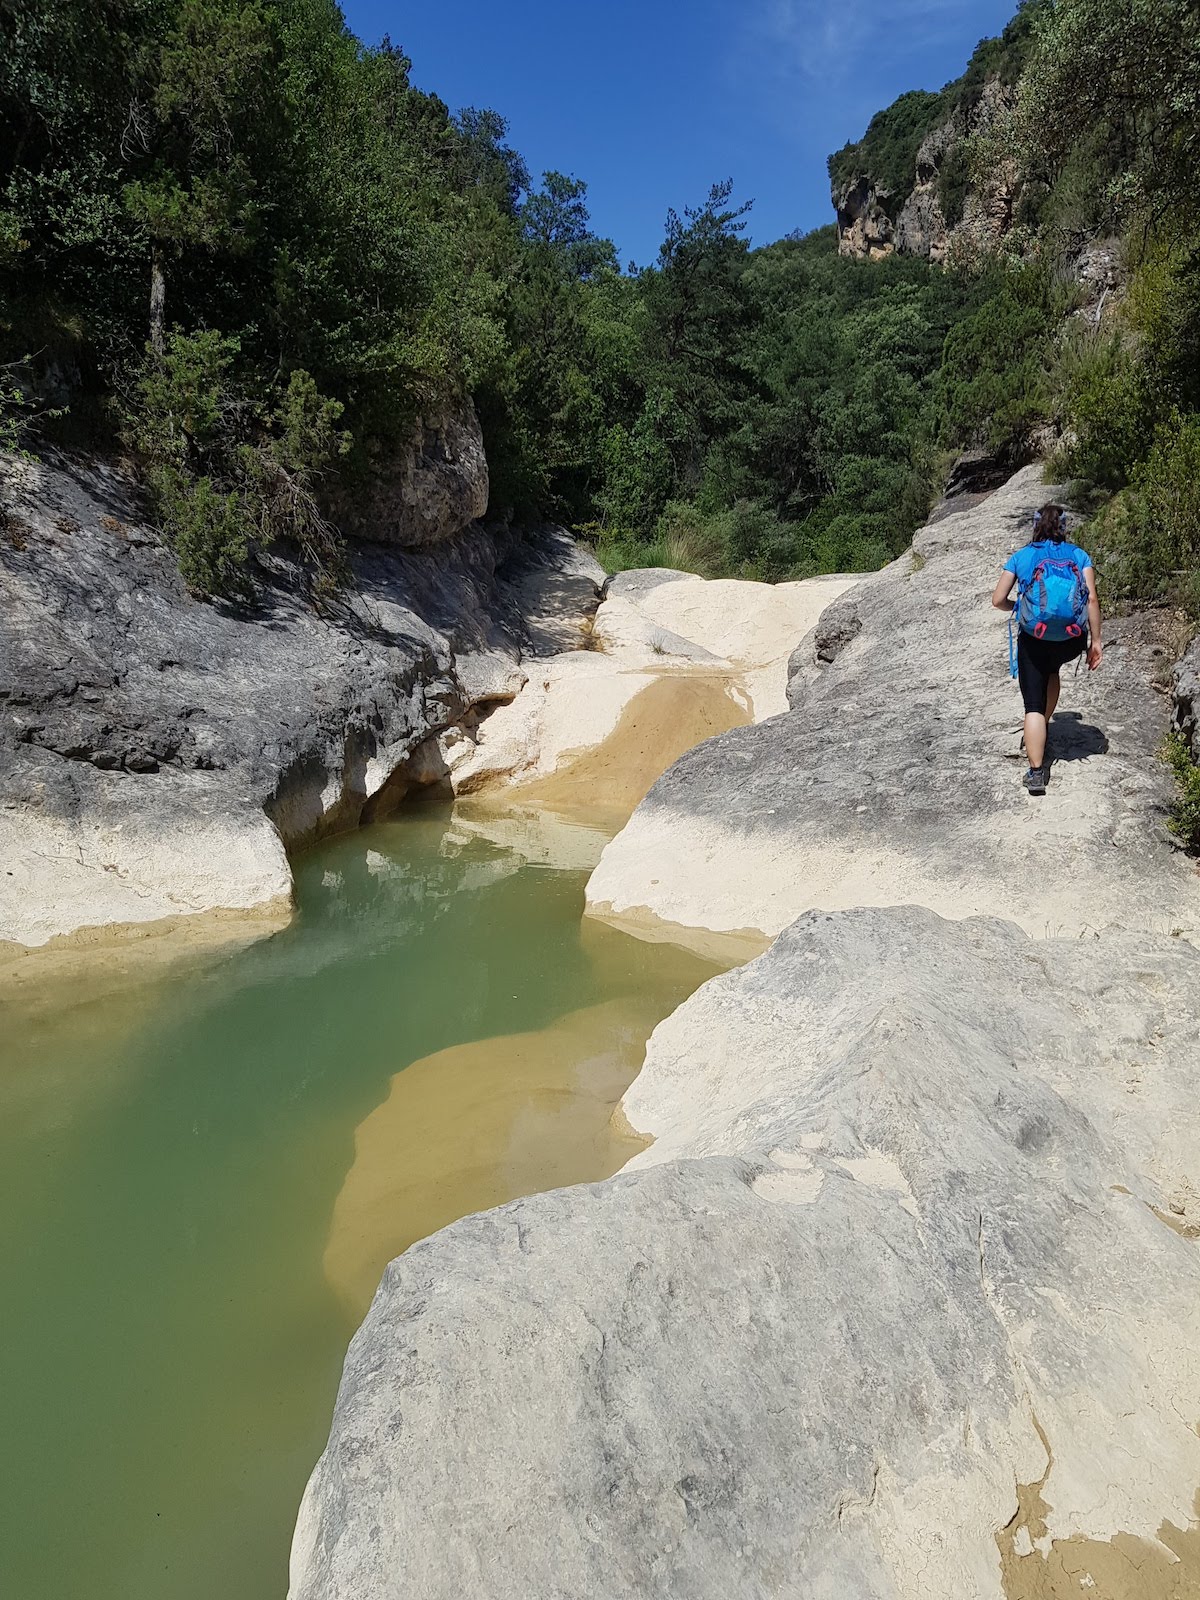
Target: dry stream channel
{"type": "Point", "coordinates": [202, 1175]}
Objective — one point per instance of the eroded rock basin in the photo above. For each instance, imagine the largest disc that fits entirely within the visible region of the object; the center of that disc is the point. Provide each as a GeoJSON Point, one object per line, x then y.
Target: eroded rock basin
{"type": "Point", "coordinates": [203, 1170]}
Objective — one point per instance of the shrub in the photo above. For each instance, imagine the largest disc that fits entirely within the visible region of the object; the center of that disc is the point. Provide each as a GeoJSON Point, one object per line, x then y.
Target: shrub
{"type": "Point", "coordinates": [639, 468]}
{"type": "Point", "coordinates": [15, 412]}
{"type": "Point", "coordinates": [20, 411]}
{"type": "Point", "coordinates": [1149, 537]}
{"type": "Point", "coordinates": [206, 528]}
{"type": "Point", "coordinates": [991, 387]}
{"type": "Point", "coordinates": [1184, 820]}
{"type": "Point", "coordinates": [221, 468]}
{"type": "Point", "coordinates": [1108, 404]}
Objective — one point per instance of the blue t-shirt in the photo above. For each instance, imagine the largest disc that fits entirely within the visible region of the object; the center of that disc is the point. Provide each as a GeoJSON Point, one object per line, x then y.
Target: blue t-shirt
{"type": "Point", "coordinates": [1023, 561]}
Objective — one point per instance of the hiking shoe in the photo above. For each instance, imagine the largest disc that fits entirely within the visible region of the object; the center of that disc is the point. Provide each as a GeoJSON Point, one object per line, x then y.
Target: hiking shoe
{"type": "Point", "coordinates": [1035, 780]}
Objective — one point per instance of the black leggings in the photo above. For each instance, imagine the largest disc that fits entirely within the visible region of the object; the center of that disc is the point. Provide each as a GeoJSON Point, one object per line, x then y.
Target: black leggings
{"type": "Point", "coordinates": [1037, 662]}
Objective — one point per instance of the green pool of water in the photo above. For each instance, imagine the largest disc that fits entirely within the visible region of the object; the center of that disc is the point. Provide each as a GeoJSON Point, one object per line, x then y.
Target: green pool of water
{"type": "Point", "coordinates": [172, 1156]}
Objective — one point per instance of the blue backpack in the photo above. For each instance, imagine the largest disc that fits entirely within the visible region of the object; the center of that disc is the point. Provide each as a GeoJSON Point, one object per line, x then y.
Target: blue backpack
{"type": "Point", "coordinates": [1054, 603]}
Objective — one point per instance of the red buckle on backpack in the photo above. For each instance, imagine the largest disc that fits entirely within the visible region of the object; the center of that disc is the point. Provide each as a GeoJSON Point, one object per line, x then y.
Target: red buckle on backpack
{"type": "Point", "coordinates": [1040, 631]}
{"type": "Point", "coordinates": [1073, 630]}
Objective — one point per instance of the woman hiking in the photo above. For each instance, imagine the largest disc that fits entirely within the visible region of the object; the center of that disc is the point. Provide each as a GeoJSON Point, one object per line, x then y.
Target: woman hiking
{"type": "Point", "coordinates": [1058, 618]}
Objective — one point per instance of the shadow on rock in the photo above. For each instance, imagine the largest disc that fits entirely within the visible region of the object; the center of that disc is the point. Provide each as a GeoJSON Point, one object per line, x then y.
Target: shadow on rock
{"type": "Point", "coordinates": [1073, 739]}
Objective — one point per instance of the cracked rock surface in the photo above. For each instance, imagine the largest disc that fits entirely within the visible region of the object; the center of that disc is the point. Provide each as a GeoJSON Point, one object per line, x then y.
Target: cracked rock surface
{"type": "Point", "coordinates": [913, 1234]}
{"type": "Point", "coordinates": [159, 754]}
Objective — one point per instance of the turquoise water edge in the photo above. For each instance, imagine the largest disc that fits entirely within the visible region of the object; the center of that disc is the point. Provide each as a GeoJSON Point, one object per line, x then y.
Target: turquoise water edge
{"type": "Point", "coordinates": [172, 1154]}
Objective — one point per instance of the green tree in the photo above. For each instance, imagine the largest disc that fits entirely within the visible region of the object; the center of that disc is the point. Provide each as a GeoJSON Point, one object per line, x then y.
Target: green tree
{"type": "Point", "coordinates": [194, 129]}
{"type": "Point", "coordinates": [1125, 76]}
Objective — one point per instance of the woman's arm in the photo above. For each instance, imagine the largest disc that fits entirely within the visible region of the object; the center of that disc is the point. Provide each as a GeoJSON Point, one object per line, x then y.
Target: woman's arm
{"type": "Point", "coordinates": [1003, 589]}
{"type": "Point", "coordinates": [1095, 645]}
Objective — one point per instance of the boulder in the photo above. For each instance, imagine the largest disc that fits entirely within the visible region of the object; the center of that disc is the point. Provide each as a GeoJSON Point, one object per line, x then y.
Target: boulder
{"type": "Point", "coordinates": [903, 1302]}
{"type": "Point", "coordinates": [553, 587]}
{"type": "Point", "coordinates": [158, 755]}
{"type": "Point", "coordinates": [1186, 696]}
{"type": "Point", "coordinates": [896, 778]}
{"type": "Point", "coordinates": [754, 626]}
{"type": "Point", "coordinates": [425, 492]}
{"type": "Point", "coordinates": [638, 582]}
{"type": "Point", "coordinates": [627, 629]}
{"type": "Point", "coordinates": [977, 472]}
{"type": "Point", "coordinates": [592, 730]}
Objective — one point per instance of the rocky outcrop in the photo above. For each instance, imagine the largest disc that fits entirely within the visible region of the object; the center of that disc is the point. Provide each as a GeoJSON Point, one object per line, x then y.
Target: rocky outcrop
{"type": "Point", "coordinates": [902, 1303]}
{"type": "Point", "coordinates": [426, 493]}
{"type": "Point", "coordinates": [158, 756]}
{"type": "Point", "coordinates": [1186, 697]}
{"type": "Point", "coordinates": [865, 228]}
{"type": "Point", "coordinates": [673, 660]}
{"type": "Point", "coordinates": [896, 778]}
{"type": "Point", "coordinates": [903, 1300]}
{"type": "Point", "coordinates": [872, 222]}
{"type": "Point", "coordinates": [921, 228]}
{"type": "Point", "coordinates": [974, 474]}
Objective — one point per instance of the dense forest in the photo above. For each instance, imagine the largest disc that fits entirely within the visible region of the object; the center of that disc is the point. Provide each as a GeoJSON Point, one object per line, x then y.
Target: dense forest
{"type": "Point", "coordinates": [240, 247]}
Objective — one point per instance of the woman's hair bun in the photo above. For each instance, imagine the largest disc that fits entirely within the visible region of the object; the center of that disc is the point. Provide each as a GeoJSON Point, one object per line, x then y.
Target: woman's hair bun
{"type": "Point", "coordinates": [1051, 522]}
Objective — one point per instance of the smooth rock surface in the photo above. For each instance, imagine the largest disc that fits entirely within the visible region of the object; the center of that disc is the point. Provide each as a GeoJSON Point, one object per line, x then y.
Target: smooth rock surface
{"type": "Point", "coordinates": [731, 640]}
{"type": "Point", "coordinates": [569, 709]}
{"type": "Point", "coordinates": [896, 778]}
{"type": "Point", "coordinates": [638, 582]}
{"type": "Point", "coordinates": [904, 1289]}
{"type": "Point", "coordinates": [754, 626]}
{"type": "Point", "coordinates": [157, 753]}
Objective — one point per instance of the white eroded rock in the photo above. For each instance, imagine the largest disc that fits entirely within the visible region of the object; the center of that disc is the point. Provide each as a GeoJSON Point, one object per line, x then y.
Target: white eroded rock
{"type": "Point", "coordinates": [904, 1244]}
{"type": "Point", "coordinates": [735, 639]}
{"type": "Point", "coordinates": [117, 866]}
{"type": "Point", "coordinates": [896, 778]}
{"type": "Point", "coordinates": [754, 626]}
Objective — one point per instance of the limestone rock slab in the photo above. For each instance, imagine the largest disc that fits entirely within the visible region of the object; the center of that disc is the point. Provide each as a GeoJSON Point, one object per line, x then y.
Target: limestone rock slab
{"type": "Point", "coordinates": [896, 777]}
{"type": "Point", "coordinates": [734, 637]}
{"type": "Point", "coordinates": [911, 1237]}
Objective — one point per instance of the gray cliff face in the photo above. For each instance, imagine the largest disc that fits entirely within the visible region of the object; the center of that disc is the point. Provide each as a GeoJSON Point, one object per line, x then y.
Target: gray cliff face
{"type": "Point", "coordinates": [427, 493]}
{"type": "Point", "coordinates": [124, 698]}
{"type": "Point", "coordinates": [865, 228]}
{"type": "Point", "coordinates": [913, 1234]}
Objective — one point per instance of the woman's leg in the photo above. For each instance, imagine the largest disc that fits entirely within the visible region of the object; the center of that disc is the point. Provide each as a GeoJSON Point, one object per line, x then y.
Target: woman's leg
{"type": "Point", "coordinates": [1053, 689]}
{"type": "Point", "coordinates": [1035, 738]}
{"type": "Point", "coordinates": [1041, 730]}
{"type": "Point", "coordinates": [1033, 671]}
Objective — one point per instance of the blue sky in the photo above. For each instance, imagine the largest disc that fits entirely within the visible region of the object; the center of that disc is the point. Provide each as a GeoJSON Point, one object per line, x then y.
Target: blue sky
{"type": "Point", "coordinates": [651, 101]}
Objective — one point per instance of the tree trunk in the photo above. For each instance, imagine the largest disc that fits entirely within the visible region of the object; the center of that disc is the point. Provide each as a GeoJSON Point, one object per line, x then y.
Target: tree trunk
{"type": "Point", "coordinates": [158, 301]}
